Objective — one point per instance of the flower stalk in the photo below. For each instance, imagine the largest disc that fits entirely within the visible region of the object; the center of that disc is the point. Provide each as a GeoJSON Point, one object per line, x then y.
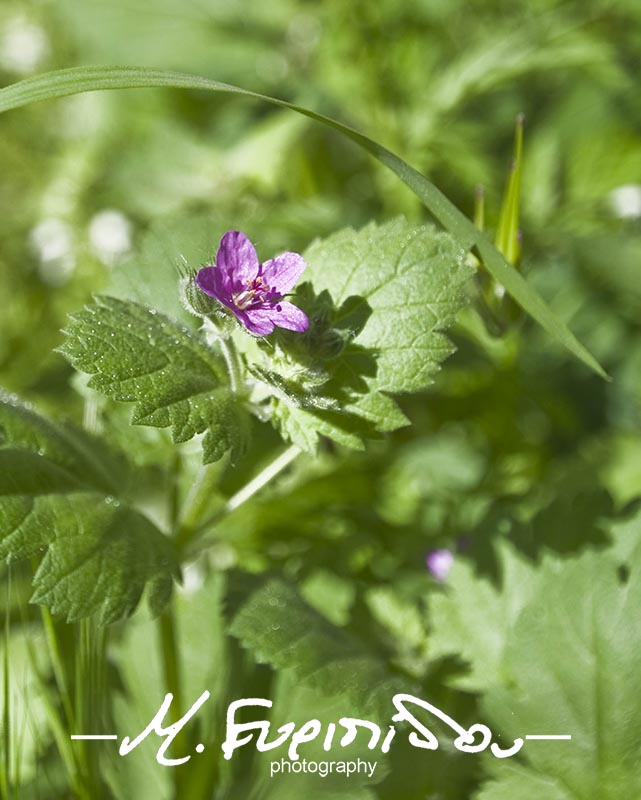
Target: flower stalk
{"type": "Point", "coordinates": [191, 529]}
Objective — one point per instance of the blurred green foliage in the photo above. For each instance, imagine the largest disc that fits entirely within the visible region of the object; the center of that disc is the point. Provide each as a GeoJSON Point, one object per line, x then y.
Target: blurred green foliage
{"type": "Point", "coordinates": [514, 441]}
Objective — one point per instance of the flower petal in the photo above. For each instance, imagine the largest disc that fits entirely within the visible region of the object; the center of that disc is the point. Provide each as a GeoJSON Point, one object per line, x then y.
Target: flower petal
{"type": "Point", "coordinates": [237, 258]}
{"type": "Point", "coordinates": [290, 317]}
{"type": "Point", "coordinates": [282, 272]}
{"type": "Point", "coordinates": [258, 321]}
{"type": "Point", "coordinates": [210, 281]}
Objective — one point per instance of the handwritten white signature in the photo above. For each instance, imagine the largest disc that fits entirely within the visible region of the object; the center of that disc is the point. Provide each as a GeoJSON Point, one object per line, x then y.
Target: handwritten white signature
{"type": "Point", "coordinates": [475, 739]}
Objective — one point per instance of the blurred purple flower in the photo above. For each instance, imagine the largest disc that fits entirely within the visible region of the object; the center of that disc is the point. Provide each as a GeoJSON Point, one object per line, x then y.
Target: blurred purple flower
{"type": "Point", "coordinates": [253, 291]}
{"type": "Point", "coordinates": [439, 563]}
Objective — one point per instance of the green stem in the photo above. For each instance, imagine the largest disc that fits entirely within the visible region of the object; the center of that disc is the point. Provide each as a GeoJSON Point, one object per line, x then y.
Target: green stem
{"type": "Point", "coordinates": [216, 333]}
{"type": "Point", "coordinates": [167, 621]}
{"type": "Point", "coordinates": [197, 501]}
{"type": "Point", "coordinates": [91, 688]}
{"type": "Point", "coordinates": [171, 666]}
{"type": "Point", "coordinates": [173, 493]}
{"type": "Point", "coordinates": [263, 478]}
{"type": "Point", "coordinates": [57, 665]}
{"type": "Point", "coordinates": [187, 535]}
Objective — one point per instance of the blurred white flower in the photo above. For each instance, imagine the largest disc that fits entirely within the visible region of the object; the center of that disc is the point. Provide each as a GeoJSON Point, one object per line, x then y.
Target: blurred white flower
{"type": "Point", "coordinates": [193, 578]}
{"type": "Point", "coordinates": [303, 34]}
{"type": "Point", "coordinates": [625, 201]}
{"type": "Point", "coordinates": [52, 242]}
{"type": "Point", "coordinates": [272, 66]}
{"type": "Point", "coordinates": [82, 115]}
{"type": "Point", "coordinates": [23, 46]}
{"type": "Point", "coordinates": [110, 236]}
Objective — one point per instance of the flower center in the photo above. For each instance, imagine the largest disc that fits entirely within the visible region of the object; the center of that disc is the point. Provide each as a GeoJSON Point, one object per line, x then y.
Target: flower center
{"type": "Point", "coordinates": [256, 293]}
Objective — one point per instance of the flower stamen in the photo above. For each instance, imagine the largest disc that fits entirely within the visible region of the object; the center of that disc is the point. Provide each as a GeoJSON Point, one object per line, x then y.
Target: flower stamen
{"type": "Point", "coordinates": [255, 295]}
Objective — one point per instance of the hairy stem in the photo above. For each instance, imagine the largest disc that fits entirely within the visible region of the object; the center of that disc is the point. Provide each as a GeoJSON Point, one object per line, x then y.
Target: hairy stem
{"type": "Point", "coordinates": [215, 333]}
{"type": "Point", "coordinates": [230, 354]}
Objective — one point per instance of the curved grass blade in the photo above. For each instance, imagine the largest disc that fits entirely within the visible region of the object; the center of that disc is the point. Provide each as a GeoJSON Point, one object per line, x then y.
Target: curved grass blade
{"type": "Point", "coordinates": [61, 83]}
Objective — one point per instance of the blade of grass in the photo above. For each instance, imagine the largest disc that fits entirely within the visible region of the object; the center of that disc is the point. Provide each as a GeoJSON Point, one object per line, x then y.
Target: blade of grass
{"type": "Point", "coordinates": [91, 691]}
{"type": "Point", "coordinates": [6, 700]}
{"type": "Point", "coordinates": [58, 729]}
{"type": "Point", "coordinates": [57, 664]}
{"type": "Point", "coordinates": [479, 207]}
{"type": "Point", "coordinates": [507, 232]}
{"type": "Point", "coordinates": [18, 749]}
{"type": "Point", "coordinates": [61, 83]}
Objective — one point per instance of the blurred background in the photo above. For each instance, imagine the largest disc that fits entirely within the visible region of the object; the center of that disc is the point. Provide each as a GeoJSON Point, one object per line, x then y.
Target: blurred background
{"type": "Point", "coordinates": [515, 440]}
{"type": "Point", "coordinates": [437, 81]}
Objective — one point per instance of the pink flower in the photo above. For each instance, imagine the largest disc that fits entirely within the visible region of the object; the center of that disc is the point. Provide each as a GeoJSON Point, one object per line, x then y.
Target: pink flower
{"type": "Point", "coordinates": [439, 563]}
{"type": "Point", "coordinates": [253, 291]}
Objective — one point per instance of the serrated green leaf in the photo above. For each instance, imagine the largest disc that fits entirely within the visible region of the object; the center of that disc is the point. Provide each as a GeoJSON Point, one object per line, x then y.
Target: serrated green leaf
{"type": "Point", "coordinates": [573, 661]}
{"type": "Point", "coordinates": [303, 427]}
{"type": "Point", "coordinates": [459, 618]}
{"type": "Point", "coordinates": [379, 303]}
{"type": "Point", "coordinates": [379, 410]}
{"type": "Point", "coordinates": [412, 278]}
{"type": "Point", "coordinates": [57, 502]}
{"type": "Point", "coordinates": [99, 560]}
{"type": "Point", "coordinates": [282, 630]}
{"type": "Point", "coordinates": [555, 652]}
{"type": "Point", "coordinates": [329, 662]}
{"type": "Point", "coordinates": [137, 355]}
{"type": "Point", "coordinates": [518, 783]}
{"type": "Point", "coordinates": [37, 457]}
